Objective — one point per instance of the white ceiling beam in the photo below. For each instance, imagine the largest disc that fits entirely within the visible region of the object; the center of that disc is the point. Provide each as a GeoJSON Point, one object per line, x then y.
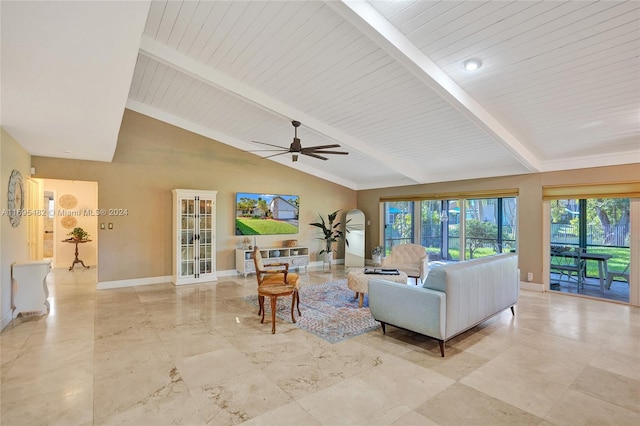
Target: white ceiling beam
{"type": "Point", "coordinates": [368, 20]}
{"type": "Point", "coordinates": [208, 75]}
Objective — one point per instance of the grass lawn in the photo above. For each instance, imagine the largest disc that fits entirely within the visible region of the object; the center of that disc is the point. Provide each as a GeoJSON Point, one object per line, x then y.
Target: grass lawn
{"type": "Point", "coordinates": [250, 226]}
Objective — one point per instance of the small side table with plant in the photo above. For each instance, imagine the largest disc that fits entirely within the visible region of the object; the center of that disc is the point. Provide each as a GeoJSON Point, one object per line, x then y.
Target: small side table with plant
{"type": "Point", "coordinates": [78, 235]}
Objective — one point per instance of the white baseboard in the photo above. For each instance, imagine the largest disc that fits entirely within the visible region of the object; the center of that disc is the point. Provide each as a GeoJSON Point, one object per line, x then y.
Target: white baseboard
{"type": "Point", "coordinates": [227, 273]}
{"type": "Point", "coordinates": [133, 282]}
{"type": "Point", "coordinates": [531, 286]}
{"type": "Point", "coordinates": [6, 319]}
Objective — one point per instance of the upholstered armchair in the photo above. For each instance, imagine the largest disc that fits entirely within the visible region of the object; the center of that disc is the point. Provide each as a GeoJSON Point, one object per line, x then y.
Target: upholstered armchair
{"type": "Point", "coordinates": [411, 259]}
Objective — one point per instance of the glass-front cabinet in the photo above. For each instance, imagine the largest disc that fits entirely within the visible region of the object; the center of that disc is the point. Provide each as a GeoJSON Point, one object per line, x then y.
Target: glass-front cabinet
{"type": "Point", "coordinates": [194, 248]}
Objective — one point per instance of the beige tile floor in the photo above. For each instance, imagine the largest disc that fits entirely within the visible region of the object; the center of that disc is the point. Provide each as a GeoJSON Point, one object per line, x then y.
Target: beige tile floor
{"type": "Point", "coordinates": [196, 355]}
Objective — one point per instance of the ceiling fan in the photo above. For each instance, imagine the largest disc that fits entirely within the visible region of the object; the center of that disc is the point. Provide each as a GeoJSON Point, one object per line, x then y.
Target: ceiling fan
{"type": "Point", "coordinates": [296, 148]}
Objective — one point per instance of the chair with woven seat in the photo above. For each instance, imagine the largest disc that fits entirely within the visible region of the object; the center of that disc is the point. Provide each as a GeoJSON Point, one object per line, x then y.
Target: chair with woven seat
{"type": "Point", "coordinates": [275, 280]}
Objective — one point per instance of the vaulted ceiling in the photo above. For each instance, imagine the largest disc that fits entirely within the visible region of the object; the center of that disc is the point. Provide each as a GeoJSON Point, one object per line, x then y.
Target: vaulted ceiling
{"type": "Point", "coordinates": [559, 85]}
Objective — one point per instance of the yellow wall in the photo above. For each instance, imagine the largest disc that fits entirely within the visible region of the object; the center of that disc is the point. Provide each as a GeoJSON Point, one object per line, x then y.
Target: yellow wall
{"type": "Point", "coordinates": [530, 207]}
{"type": "Point", "coordinates": [151, 159]}
{"type": "Point", "coordinates": [13, 241]}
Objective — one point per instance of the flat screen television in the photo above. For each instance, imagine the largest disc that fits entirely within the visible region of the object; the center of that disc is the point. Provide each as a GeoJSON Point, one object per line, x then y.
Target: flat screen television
{"type": "Point", "coordinates": [266, 214]}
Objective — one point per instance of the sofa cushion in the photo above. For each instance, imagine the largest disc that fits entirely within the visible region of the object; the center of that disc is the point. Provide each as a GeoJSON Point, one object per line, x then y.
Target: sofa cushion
{"type": "Point", "coordinates": [437, 279]}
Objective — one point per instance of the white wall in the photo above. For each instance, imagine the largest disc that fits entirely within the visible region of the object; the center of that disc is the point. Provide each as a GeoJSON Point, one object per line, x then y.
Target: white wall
{"type": "Point", "coordinates": [14, 245]}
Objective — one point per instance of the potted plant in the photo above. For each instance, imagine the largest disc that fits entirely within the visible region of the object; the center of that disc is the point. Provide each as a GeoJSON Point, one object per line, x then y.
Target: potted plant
{"type": "Point", "coordinates": [376, 254]}
{"type": "Point", "coordinates": [331, 233]}
{"type": "Point", "coordinates": [78, 234]}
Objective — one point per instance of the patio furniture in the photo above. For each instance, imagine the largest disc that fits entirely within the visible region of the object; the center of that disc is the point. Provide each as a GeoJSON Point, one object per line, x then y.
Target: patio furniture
{"type": "Point", "coordinates": [620, 274]}
{"type": "Point", "coordinates": [568, 261]}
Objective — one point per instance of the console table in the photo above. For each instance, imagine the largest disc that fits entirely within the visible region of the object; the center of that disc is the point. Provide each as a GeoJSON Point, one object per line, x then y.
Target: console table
{"type": "Point", "coordinates": [29, 290]}
{"type": "Point", "coordinates": [296, 257]}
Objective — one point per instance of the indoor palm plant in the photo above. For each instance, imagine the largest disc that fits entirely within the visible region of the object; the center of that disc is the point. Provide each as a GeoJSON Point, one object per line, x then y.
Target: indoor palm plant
{"type": "Point", "coordinates": [331, 233]}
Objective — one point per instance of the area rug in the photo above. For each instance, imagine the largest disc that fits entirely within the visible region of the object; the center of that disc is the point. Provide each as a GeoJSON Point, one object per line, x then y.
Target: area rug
{"type": "Point", "coordinates": [329, 311]}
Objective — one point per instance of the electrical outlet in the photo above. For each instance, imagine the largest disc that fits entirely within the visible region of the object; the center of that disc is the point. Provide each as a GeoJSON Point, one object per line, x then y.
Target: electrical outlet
{"type": "Point", "coordinates": [529, 276]}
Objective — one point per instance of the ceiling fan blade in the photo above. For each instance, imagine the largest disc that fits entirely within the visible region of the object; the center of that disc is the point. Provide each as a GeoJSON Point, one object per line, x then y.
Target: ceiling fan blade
{"type": "Point", "coordinates": [310, 154]}
{"type": "Point", "coordinates": [270, 144]}
{"type": "Point", "coordinates": [296, 148]}
{"type": "Point", "coordinates": [322, 147]}
{"type": "Point", "coordinates": [273, 155]}
{"type": "Point", "coordinates": [331, 152]}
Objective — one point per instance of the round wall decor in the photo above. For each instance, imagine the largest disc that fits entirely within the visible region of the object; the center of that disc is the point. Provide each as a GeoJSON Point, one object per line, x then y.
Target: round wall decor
{"type": "Point", "coordinates": [68, 222]}
{"type": "Point", "coordinates": [15, 198]}
{"type": "Point", "coordinates": [67, 201]}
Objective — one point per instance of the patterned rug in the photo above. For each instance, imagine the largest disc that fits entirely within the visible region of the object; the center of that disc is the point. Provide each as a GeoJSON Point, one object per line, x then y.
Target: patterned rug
{"type": "Point", "coordinates": [329, 311]}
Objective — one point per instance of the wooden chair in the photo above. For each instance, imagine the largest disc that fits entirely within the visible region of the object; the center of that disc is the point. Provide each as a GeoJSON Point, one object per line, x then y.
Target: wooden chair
{"type": "Point", "coordinates": [275, 280]}
{"type": "Point", "coordinates": [620, 274]}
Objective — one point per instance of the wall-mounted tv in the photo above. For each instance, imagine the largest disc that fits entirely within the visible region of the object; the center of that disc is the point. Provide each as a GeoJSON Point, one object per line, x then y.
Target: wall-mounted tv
{"type": "Point", "coordinates": [266, 214]}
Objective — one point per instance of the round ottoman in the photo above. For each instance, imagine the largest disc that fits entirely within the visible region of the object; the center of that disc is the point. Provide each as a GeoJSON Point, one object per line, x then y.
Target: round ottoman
{"type": "Point", "coordinates": [358, 281]}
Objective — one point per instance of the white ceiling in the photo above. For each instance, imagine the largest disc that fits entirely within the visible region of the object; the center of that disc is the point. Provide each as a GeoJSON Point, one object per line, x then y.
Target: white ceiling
{"type": "Point", "coordinates": [559, 87]}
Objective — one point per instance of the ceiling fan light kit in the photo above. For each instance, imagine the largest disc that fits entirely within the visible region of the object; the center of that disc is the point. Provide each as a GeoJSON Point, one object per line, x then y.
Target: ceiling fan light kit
{"type": "Point", "coordinates": [296, 148]}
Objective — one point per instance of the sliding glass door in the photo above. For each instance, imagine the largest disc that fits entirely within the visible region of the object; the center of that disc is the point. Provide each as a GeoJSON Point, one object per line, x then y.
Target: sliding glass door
{"type": "Point", "coordinates": [486, 225]}
{"type": "Point", "coordinates": [398, 224]}
{"type": "Point", "coordinates": [599, 229]}
{"type": "Point", "coordinates": [490, 226]}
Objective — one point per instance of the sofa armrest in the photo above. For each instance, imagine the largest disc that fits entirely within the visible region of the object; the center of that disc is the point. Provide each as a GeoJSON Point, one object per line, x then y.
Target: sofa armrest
{"type": "Point", "coordinates": [413, 308]}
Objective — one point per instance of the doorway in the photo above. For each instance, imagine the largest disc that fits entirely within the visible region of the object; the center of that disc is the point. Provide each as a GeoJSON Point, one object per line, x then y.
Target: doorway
{"type": "Point", "coordinates": [590, 247]}
{"type": "Point", "coordinates": [70, 204]}
{"type": "Point", "coordinates": [48, 229]}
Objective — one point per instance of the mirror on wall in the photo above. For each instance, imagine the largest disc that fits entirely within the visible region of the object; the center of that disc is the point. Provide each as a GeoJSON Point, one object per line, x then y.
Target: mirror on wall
{"type": "Point", "coordinates": [354, 252]}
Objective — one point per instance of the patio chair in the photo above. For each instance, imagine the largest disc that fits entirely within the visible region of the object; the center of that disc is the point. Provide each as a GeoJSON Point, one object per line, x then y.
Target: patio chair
{"type": "Point", "coordinates": [567, 261]}
{"type": "Point", "coordinates": [620, 274]}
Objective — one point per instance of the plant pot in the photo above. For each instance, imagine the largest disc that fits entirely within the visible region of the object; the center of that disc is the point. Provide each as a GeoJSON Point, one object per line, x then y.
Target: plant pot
{"type": "Point", "coordinates": [376, 259]}
{"type": "Point", "coordinates": [328, 260]}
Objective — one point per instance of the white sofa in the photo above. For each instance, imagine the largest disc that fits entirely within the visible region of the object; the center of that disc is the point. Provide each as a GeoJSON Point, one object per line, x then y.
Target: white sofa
{"type": "Point", "coordinates": [455, 297]}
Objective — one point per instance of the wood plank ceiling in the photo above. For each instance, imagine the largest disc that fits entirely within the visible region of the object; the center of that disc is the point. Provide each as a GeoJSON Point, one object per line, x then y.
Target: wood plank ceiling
{"type": "Point", "coordinates": [559, 87]}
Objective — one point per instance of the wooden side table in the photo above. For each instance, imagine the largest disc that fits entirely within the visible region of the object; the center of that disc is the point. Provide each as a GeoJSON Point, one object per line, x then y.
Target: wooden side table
{"type": "Point", "coordinates": [76, 260]}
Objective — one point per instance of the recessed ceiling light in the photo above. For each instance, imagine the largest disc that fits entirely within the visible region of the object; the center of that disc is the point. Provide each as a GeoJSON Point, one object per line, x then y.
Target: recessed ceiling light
{"type": "Point", "coordinates": [67, 152]}
{"type": "Point", "coordinates": [472, 64]}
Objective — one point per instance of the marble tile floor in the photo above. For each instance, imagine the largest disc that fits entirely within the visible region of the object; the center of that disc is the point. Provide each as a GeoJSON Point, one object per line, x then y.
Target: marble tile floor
{"type": "Point", "coordinates": [198, 355]}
